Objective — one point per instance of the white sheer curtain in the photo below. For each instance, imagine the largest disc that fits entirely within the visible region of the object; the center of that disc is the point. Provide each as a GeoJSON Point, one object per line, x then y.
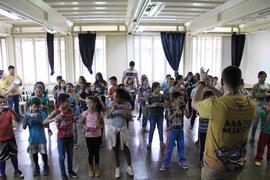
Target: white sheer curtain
{"type": "Point", "coordinates": [3, 55]}
{"type": "Point", "coordinates": [99, 61]}
{"type": "Point", "coordinates": [150, 59]}
{"type": "Point", "coordinates": [207, 52]}
{"type": "Point", "coordinates": [32, 62]}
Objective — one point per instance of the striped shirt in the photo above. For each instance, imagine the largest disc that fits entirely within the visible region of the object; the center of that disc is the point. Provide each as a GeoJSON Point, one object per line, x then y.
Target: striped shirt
{"type": "Point", "coordinates": [203, 125]}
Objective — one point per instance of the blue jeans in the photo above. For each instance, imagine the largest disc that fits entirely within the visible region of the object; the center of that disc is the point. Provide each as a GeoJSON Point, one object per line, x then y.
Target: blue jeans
{"type": "Point", "coordinates": [65, 146]}
{"type": "Point", "coordinates": [14, 100]}
{"type": "Point", "coordinates": [14, 161]}
{"type": "Point", "coordinates": [155, 119]}
{"type": "Point", "coordinates": [145, 115]}
{"type": "Point", "coordinates": [177, 136]}
{"type": "Point", "coordinates": [75, 133]}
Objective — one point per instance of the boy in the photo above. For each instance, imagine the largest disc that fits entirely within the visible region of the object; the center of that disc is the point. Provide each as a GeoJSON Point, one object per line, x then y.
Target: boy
{"type": "Point", "coordinates": [8, 146]}
{"type": "Point", "coordinates": [37, 139]}
{"type": "Point", "coordinates": [176, 115]}
{"type": "Point", "coordinates": [64, 120]}
{"type": "Point", "coordinates": [264, 138]}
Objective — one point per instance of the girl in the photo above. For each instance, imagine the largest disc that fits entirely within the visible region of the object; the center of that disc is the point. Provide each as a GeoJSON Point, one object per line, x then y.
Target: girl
{"type": "Point", "coordinates": [101, 86]}
{"type": "Point", "coordinates": [60, 90]}
{"type": "Point", "coordinates": [176, 117]}
{"type": "Point", "coordinates": [155, 105]}
{"type": "Point", "coordinates": [120, 114]}
{"type": "Point", "coordinates": [143, 94]}
{"type": "Point", "coordinates": [133, 91]}
{"type": "Point", "coordinates": [64, 120]}
{"type": "Point", "coordinates": [92, 121]}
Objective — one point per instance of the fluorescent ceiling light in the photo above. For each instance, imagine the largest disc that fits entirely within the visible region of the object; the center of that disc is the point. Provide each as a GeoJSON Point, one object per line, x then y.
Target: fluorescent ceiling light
{"type": "Point", "coordinates": [156, 10]}
{"type": "Point", "coordinates": [100, 3]}
{"type": "Point", "coordinates": [75, 3]}
{"type": "Point", "coordinates": [9, 15]}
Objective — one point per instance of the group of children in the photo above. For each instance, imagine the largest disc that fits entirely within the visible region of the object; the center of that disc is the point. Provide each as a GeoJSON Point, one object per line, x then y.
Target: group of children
{"type": "Point", "coordinates": [85, 104]}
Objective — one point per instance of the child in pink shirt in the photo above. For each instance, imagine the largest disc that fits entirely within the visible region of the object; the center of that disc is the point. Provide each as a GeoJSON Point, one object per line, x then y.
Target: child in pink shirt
{"type": "Point", "coordinates": [92, 121]}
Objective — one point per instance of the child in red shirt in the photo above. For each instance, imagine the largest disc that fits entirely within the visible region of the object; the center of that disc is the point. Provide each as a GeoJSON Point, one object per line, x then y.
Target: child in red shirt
{"type": "Point", "coordinates": [8, 145]}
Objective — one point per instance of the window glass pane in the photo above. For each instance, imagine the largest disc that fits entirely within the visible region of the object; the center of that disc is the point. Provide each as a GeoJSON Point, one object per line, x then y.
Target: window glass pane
{"type": "Point", "coordinates": [41, 60]}
{"type": "Point", "coordinates": [159, 60]}
{"type": "Point", "coordinates": [146, 57]}
{"type": "Point", "coordinates": [206, 52]}
{"type": "Point", "coordinates": [28, 60]}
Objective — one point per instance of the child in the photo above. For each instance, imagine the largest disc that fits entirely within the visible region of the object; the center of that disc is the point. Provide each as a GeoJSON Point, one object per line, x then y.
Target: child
{"type": "Point", "coordinates": [73, 101]}
{"type": "Point", "coordinates": [120, 114]}
{"type": "Point", "coordinates": [133, 91]}
{"type": "Point", "coordinates": [92, 121]}
{"type": "Point", "coordinates": [264, 138]}
{"type": "Point", "coordinates": [155, 105]}
{"type": "Point", "coordinates": [143, 93]}
{"type": "Point", "coordinates": [60, 90]}
{"type": "Point", "coordinates": [176, 115]}
{"type": "Point", "coordinates": [64, 120]}
{"type": "Point", "coordinates": [8, 146]}
{"type": "Point", "coordinates": [39, 93]}
{"type": "Point", "coordinates": [203, 126]}
{"type": "Point", "coordinates": [37, 139]}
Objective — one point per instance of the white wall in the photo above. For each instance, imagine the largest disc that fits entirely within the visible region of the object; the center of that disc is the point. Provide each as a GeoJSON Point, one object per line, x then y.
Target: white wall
{"type": "Point", "coordinates": [256, 56]}
{"type": "Point", "coordinates": [116, 55]}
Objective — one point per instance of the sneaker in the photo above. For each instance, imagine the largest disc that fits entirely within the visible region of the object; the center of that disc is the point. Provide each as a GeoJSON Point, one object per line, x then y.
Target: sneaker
{"type": "Point", "coordinates": [36, 171]}
{"type": "Point", "coordinates": [258, 163]}
{"type": "Point", "coordinates": [18, 174]}
{"type": "Point", "coordinates": [148, 146]}
{"type": "Point", "coordinates": [3, 177]}
{"type": "Point", "coordinates": [183, 165]}
{"type": "Point", "coordinates": [130, 171]}
{"type": "Point", "coordinates": [65, 177]}
{"type": "Point", "coordinates": [46, 170]}
{"type": "Point", "coordinates": [117, 173]}
{"type": "Point", "coordinates": [163, 168]}
{"type": "Point", "coordinates": [76, 146]}
{"type": "Point", "coordinates": [162, 145]}
{"type": "Point", "coordinates": [72, 174]}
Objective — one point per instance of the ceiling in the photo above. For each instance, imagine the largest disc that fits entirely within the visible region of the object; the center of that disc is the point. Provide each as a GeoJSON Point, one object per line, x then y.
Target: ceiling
{"type": "Point", "coordinates": [200, 15]}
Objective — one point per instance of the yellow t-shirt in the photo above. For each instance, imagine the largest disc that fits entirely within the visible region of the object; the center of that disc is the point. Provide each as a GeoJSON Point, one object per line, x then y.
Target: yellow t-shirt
{"type": "Point", "coordinates": [230, 118]}
{"type": "Point", "coordinates": [8, 81]}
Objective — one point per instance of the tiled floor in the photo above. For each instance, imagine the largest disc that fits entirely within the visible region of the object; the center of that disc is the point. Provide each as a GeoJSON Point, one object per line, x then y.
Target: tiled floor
{"type": "Point", "coordinates": [145, 163]}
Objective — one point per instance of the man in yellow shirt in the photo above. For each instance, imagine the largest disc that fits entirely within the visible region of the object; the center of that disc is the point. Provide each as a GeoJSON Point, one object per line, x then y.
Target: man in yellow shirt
{"type": "Point", "coordinates": [13, 83]}
{"type": "Point", "coordinates": [230, 117]}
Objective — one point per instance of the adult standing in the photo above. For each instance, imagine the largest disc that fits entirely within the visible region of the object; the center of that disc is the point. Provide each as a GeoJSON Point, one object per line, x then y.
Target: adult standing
{"type": "Point", "coordinates": [259, 92]}
{"type": "Point", "coordinates": [230, 117]}
{"type": "Point", "coordinates": [13, 83]}
{"type": "Point", "coordinates": [131, 73]}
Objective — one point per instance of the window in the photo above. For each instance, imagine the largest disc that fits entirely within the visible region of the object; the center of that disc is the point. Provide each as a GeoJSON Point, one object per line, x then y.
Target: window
{"type": "Point", "coordinates": [99, 60]}
{"type": "Point", "coordinates": [32, 59]}
{"type": "Point", "coordinates": [150, 58]}
{"type": "Point", "coordinates": [3, 55]}
{"type": "Point", "coordinates": [206, 52]}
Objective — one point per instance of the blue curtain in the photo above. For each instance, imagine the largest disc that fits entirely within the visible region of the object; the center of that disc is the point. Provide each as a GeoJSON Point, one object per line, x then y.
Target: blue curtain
{"type": "Point", "coordinates": [50, 47]}
{"type": "Point", "coordinates": [87, 44]}
{"type": "Point", "coordinates": [238, 43]}
{"type": "Point", "coordinates": [173, 43]}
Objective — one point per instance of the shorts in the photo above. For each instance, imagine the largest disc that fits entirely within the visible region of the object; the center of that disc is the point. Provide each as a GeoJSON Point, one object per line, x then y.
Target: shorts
{"type": "Point", "coordinates": [8, 149]}
{"type": "Point", "coordinates": [37, 148]}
